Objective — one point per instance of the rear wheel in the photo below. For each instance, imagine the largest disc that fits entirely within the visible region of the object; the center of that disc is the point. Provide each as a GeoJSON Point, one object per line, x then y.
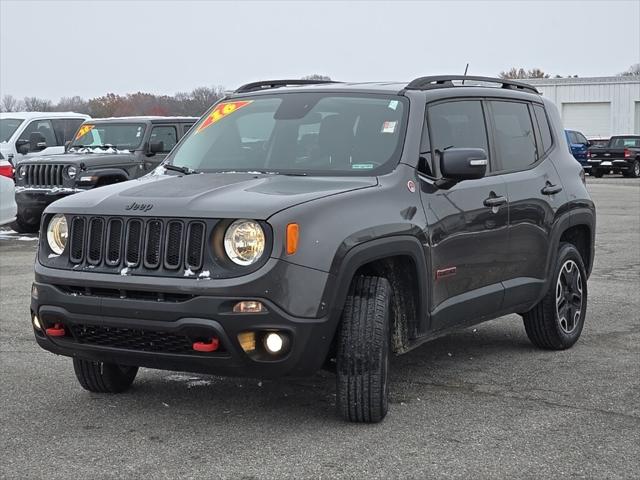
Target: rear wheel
{"type": "Point", "coordinates": [363, 351]}
{"type": "Point", "coordinates": [21, 225]}
{"type": "Point", "coordinates": [100, 377]}
{"type": "Point", "coordinates": [634, 171]}
{"type": "Point", "coordinates": [556, 322]}
{"type": "Point", "coordinates": [598, 173]}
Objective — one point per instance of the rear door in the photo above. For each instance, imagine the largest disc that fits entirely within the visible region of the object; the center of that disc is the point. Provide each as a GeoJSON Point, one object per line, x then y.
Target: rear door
{"type": "Point", "coordinates": [523, 141]}
{"type": "Point", "coordinates": [167, 136]}
{"type": "Point", "coordinates": [467, 222]}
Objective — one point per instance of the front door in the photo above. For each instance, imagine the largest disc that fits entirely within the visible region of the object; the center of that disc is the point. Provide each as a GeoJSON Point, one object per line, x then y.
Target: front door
{"type": "Point", "coordinates": [467, 222]}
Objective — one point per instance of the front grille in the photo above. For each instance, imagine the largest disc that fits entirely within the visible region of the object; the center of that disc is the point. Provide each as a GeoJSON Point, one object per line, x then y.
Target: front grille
{"type": "Point", "coordinates": [151, 244]}
{"type": "Point", "coordinates": [43, 175]}
{"type": "Point", "coordinates": [132, 339]}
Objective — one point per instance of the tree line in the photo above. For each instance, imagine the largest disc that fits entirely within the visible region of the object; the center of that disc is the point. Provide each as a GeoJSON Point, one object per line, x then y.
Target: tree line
{"type": "Point", "coordinates": [193, 103]}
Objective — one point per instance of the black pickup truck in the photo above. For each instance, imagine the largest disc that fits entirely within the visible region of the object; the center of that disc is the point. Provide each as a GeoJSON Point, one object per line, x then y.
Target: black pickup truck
{"type": "Point", "coordinates": [621, 155]}
{"type": "Point", "coordinates": [104, 151]}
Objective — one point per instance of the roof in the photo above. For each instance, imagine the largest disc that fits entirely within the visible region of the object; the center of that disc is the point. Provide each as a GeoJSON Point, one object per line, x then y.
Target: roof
{"type": "Point", "coordinates": [152, 119]}
{"type": "Point", "coordinates": [34, 115]}
{"type": "Point", "coordinates": [472, 88]}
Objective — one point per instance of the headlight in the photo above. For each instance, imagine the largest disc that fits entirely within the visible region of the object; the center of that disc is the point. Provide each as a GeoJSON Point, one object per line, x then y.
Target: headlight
{"type": "Point", "coordinates": [57, 233]}
{"type": "Point", "coordinates": [244, 242]}
{"type": "Point", "coordinates": [71, 171]}
{"type": "Point", "coordinates": [21, 171]}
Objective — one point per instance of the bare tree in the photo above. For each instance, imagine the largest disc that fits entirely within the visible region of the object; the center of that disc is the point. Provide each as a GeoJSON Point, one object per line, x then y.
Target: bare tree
{"type": "Point", "coordinates": [520, 73]}
{"type": "Point", "coordinates": [316, 76]}
{"type": "Point", "coordinates": [72, 104]}
{"type": "Point", "coordinates": [35, 104]}
{"type": "Point", "coordinates": [632, 71]}
{"type": "Point", "coordinates": [10, 104]}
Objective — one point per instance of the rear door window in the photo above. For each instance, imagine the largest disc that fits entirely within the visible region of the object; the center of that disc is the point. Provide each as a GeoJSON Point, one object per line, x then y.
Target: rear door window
{"type": "Point", "coordinates": [515, 140]}
{"type": "Point", "coordinates": [543, 127]}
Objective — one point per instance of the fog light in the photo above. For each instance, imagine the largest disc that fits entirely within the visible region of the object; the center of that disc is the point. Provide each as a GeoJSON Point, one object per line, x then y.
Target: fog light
{"type": "Point", "coordinates": [36, 323]}
{"type": "Point", "coordinates": [247, 341]}
{"type": "Point", "coordinates": [249, 306]}
{"type": "Point", "coordinates": [273, 342]}
{"type": "Point", "coordinates": [34, 291]}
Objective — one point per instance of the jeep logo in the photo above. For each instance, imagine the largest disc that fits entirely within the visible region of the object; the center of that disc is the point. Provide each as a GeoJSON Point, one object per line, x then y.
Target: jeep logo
{"type": "Point", "coordinates": [142, 207]}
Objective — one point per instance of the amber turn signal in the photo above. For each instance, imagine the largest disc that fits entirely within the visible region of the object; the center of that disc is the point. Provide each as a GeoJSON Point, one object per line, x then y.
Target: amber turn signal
{"type": "Point", "coordinates": [247, 341]}
{"type": "Point", "coordinates": [293, 233]}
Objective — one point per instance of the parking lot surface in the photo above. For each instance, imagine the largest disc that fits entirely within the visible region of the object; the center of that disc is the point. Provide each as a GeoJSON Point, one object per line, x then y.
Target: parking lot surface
{"type": "Point", "coordinates": [483, 403]}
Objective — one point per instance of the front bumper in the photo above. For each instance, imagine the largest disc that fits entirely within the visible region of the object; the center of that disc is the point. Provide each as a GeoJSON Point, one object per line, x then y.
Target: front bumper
{"type": "Point", "coordinates": [198, 316]}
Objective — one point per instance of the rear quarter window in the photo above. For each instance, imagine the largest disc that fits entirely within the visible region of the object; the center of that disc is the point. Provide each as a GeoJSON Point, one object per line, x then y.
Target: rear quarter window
{"type": "Point", "coordinates": [544, 127]}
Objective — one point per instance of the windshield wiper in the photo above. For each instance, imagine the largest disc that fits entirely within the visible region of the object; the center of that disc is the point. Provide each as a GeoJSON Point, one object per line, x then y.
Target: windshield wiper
{"type": "Point", "coordinates": [178, 168]}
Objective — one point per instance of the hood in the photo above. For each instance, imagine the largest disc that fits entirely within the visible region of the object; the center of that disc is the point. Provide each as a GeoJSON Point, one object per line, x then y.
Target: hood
{"type": "Point", "coordinates": [89, 159]}
{"type": "Point", "coordinates": [209, 195]}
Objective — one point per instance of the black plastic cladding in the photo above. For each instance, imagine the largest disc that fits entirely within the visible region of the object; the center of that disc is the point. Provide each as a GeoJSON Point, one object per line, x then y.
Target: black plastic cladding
{"type": "Point", "coordinates": [154, 246]}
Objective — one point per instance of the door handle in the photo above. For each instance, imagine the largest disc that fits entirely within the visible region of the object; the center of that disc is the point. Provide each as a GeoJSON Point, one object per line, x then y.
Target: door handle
{"type": "Point", "coordinates": [550, 189]}
{"type": "Point", "coordinates": [494, 201]}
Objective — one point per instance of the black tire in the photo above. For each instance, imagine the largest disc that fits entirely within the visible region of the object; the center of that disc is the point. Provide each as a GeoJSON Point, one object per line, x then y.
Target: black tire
{"type": "Point", "coordinates": [22, 226]}
{"type": "Point", "coordinates": [548, 324]}
{"type": "Point", "coordinates": [363, 351]}
{"type": "Point", "coordinates": [596, 172]}
{"type": "Point", "coordinates": [100, 377]}
{"type": "Point", "coordinates": [634, 171]}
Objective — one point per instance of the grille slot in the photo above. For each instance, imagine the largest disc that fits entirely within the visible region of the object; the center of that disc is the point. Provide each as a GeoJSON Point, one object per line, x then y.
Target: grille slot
{"type": "Point", "coordinates": [45, 175]}
{"type": "Point", "coordinates": [134, 236]}
{"type": "Point", "coordinates": [96, 237]}
{"type": "Point", "coordinates": [173, 245]}
{"type": "Point", "coordinates": [76, 246]}
{"type": "Point", "coordinates": [132, 339]}
{"type": "Point", "coordinates": [114, 241]}
{"type": "Point", "coordinates": [153, 243]}
{"type": "Point", "coordinates": [195, 244]}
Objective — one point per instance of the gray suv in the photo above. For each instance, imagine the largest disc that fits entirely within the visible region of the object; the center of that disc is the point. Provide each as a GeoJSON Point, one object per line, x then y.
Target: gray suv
{"type": "Point", "coordinates": [306, 224]}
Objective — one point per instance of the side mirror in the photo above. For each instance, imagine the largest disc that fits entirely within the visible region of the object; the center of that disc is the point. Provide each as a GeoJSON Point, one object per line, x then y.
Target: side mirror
{"type": "Point", "coordinates": [156, 147]}
{"type": "Point", "coordinates": [463, 163]}
{"type": "Point", "coordinates": [589, 144]}
{"type": "Point", "coordinates": [66, 145]}
{"type": "Point", "coordinates": [22, 146]}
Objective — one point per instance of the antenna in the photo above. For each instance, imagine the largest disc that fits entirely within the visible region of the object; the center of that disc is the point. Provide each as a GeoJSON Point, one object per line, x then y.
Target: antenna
{"type": "Point", "coordinates": [465, 72]}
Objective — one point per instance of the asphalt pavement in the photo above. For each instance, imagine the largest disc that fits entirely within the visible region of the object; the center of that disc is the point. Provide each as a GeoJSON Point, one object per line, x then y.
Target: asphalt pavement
{"type": "Point", "coordinates": [482, 403]}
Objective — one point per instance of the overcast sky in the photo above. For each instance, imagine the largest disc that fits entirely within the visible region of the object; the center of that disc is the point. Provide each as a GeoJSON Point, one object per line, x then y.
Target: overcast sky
{"type": "Point", "coordinates": [53, 48]}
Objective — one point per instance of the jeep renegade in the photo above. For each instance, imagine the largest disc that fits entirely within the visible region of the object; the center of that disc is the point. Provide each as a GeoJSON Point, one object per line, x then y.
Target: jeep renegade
{"type": "Point", "coordinates": [309, 224]}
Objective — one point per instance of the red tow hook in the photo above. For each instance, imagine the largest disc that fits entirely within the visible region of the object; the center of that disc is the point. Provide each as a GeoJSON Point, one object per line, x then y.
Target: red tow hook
{"type": "Point", "coordinates": [56, 331]}
{"type": "Point", "coordinates": [210, 346]}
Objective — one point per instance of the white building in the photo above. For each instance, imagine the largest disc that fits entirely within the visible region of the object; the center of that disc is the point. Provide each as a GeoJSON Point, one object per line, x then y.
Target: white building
{"type": "Point", "coordinates": [598, 106]}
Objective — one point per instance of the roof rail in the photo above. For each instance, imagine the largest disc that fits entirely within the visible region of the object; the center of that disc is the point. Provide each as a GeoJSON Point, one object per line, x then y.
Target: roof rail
{"type": "Point", "coordinates": [445, 81]}
{"type": "Point", "coordinates": [266, 84]}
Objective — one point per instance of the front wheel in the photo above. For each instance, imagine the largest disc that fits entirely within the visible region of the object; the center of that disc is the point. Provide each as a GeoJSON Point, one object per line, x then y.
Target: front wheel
{"type": "Point", "coordinates": [363, 351]}
{"type": "Point", "coordinates": [556, 322]}
{"type": "Point", "coordinates": [22, 225]}
{"type": "Point", "coordinates": [101, 377]}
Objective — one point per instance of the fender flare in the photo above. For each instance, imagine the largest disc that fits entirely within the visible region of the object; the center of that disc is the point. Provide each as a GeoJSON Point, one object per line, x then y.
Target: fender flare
{"type": "Point", "coordinates": [581, 216]}
{"type": "Point", "coordinates": [344, 267]}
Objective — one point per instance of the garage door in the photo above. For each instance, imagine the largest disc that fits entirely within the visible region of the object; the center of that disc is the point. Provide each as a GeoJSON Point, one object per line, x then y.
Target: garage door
{"type": "Point", "coordinates": [592, 119]}
{"type": "Point", "coordinates": [637, 122]}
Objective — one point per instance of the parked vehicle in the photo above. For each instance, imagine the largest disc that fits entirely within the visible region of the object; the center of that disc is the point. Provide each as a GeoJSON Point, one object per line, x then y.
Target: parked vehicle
{"type": "Point", "coordinates": [578, 146]}
{"type": "Point", "coordinates": [30, 134]}
{"type": "Point", "coordinates": [303, 224]}
{"type": "Point", "coordinates": [103, 152]}
{"type": "Point", "coordinates": [621, 155]}
{"type": "Point", "coordinates": [7, 192]}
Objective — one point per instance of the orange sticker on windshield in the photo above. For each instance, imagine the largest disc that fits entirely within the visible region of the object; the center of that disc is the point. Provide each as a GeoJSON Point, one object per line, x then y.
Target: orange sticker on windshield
{"type": "Point", "coordinates": [221, 111]}
{"type": "Point", "coordinates": [84, 129]}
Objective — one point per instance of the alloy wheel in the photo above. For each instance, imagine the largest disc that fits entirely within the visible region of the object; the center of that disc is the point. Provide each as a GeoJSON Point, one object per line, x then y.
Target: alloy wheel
{"type": "Point", "coordinates": [569, 296]}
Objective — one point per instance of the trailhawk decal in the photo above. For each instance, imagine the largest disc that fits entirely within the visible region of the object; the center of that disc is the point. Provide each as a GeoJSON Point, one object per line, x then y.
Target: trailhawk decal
{"type": "Point", "coordinates": [84, 129]}
{"type": "Point", "coordinates": [221, 111]}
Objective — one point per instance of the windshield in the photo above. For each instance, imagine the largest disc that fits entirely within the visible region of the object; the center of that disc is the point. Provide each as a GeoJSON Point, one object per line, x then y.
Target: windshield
{"type": "Point", "coordinates": [123, 136]}
{"type": "Point", "coordinates": [7, 127]}
{"type": "Point", "coordinates": [298, 133]}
